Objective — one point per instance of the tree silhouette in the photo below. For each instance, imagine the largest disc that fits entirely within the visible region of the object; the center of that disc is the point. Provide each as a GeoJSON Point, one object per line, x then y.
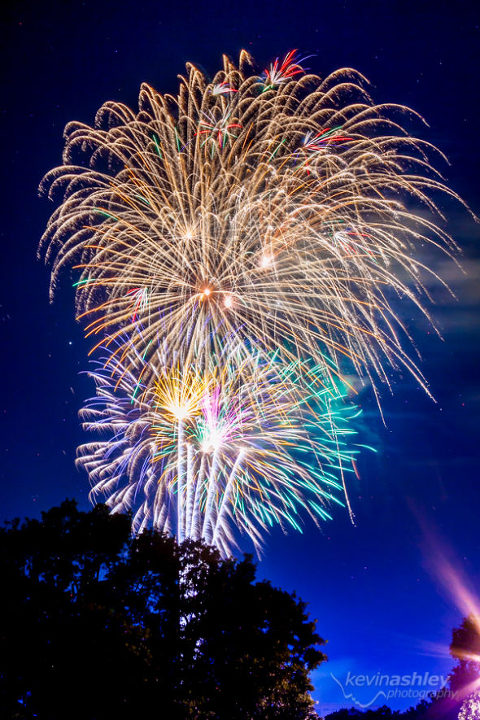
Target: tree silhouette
{"type": "Point", "coordinates": [465, 649]}
{"type": "Point", "coordinates": [95, 624]}
{"type": "Point", "coordinates": [424, 710]}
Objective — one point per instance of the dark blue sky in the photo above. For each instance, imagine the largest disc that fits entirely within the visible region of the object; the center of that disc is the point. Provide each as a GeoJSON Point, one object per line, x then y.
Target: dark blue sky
{"type": "Point", "coordinates": [372, 586]}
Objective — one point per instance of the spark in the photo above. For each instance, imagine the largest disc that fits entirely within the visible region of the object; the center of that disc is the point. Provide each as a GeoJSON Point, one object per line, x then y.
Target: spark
{"type": "Point", "coordinates": [223, 88]}
{"type": "Point", "coordinates": [280, 72]}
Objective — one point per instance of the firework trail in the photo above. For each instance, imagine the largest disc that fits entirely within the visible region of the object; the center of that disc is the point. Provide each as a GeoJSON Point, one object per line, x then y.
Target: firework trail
{"type": "Point", "coordinates": [255, 227]}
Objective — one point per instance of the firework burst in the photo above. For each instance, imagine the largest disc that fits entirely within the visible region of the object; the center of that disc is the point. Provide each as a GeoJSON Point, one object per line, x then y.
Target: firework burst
{"type": "Point", "coordinates": [229, 207]}
{"type": "Point", "coordinates": [201, 455]}
{"type": "Point", "coordinates": [235, 248]}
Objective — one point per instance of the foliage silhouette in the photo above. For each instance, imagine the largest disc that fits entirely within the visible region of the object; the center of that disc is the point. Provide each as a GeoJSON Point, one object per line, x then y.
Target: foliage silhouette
{"type": "Point", "coordinates": [383, 713]}
{"type": "Point", "coordinates": [465, 649]}
{"type": "Point", "coordinates": [96, 624]}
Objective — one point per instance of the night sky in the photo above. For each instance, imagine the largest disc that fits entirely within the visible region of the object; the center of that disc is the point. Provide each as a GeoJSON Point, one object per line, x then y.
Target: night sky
{"type": "Point", "coordinates": [376, 587]}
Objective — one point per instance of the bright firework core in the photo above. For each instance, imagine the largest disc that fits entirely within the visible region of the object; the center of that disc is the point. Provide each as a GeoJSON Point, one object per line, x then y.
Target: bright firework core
{"type": "Point", "coordinates": [178, 411]}
{"type": "Point", "coordinates": [265, 261]}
